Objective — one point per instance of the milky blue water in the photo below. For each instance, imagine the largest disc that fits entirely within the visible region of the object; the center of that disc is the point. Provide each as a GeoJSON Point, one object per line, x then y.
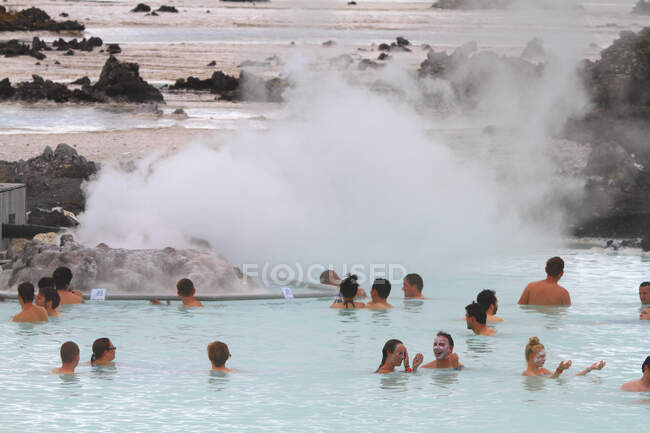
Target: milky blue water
{"type": "Point", "coordinates": [307, 368]}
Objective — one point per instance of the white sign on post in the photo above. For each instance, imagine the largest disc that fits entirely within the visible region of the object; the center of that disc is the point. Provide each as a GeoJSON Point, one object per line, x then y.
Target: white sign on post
{"type": "Point", "coordinates": [98, 294]}
{"type": "Point", "coordinates": [288, 294]}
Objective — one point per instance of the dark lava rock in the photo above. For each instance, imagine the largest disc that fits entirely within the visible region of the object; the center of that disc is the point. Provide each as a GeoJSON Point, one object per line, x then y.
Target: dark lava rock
{"type": "Point", "coordinates": [383, 56]}
{"type": "Point", "coordinates": [39, 45]}
{"type": "Point", "coordinates": [213, 63]}
{"type": "Point", "coordinates": [33, 19]}
{"type": "Point", "coordinates": [366, 63]}
{"type": "Point", "coordinates": [384, 47]}
{"type": "Point", "coordinates": [217, 83]}
{"type": "Point", "coordinates": [642, 7]}
{"type": "Point", "coordinates": [113, 49]}
{"type": "Point", "coordinates": [52, 218]}
{"type": "Point", "coordinates": [14, 47]}
{"type": "Point", "coordinates": [6, 89]}
{"type": "Point", "coordinates": [402, 42]}
{"type": "Point", "coordinates": [352, 3]}
{"type": "Point", "coordinates": [64, 15]}
{"type": "Point", "coordinates": [329, 43]}
{"type": "Point", "coordinates": [153, 14]}
{"type": "Point", "coordinates": [534, 50]}
{"type": "Point", "coordinates": [73, 44]}
{"type": "Point", "coordinates": [52, 178]}
{"type": "Point", "coordinates": [83, 81]}
{"type": "Point", "coordinates": [169, 9]}
{"type": "Point", "coordinates": [141, 7]}
{"type": "Point", "coordinates": [39, 89]}
{"type": "Point", "coordinates": [247, 87]}
{"type": "Point", "coordinates": [69, 53]}
{"type": "Point", "coordinates": [122, 82]}
{"type": "Point", "coordinates": [472, 4]}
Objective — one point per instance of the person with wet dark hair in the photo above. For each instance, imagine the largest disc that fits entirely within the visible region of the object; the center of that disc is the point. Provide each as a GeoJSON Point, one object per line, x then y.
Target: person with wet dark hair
{"type": "Point", "coordinates": [103, 352]}
{"type": "Point", "coordinates": [488, 300]}
{"type": "Point", "coordinates": [69, 358]}
{"type": "Point", "coordinates": [46, 283]}
{"type": "Point", "coordinates": [186, 291]}
{"type": "Point", "coordinates": [413, 286]}
{"type": "Point", "coordinates": [476, 317]}
{"type": "Point", "coordinates": [393, 354]}
{"type": "Point", "coordinates": [329, 277]}
{"type": "Point", "coordinates": [642, 384]}
{"type": "Point", "coordinates": [644, 293]}
{"type": "Point", "coordinates": [548, 291]}
{"type": "Point", "coordinates": [49, 299]}
{"type": "Point", "coordinates": [62, 277]}
{"type": "Point", "coordinates": [29, 312]}
{"type": "Point", "coordinates": [348, 289]}
{"type": "Point", "coordinates": [379, 294]}
{"type": "Point", "coordinates": [218, 353]}
{"type": "Point", "coordinates": [443, 350]}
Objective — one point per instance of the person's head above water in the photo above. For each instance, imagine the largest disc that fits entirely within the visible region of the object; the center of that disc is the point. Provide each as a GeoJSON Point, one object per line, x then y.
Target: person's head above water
{"type": "Point", "coordinates": [330, 277]}
{"type": "Point", "coordinates": [393, 351]}
{"type": "Point", "coordinates": [70, 353]}
{"type": "Point", "coordinates": [26, 292]}
{"type": "Point", "coordinates": [185, 287]}
{"type": "Point", "coordinates": [555, 267]}
{"type": "Point", "coordinates": [488, 300]}
{"type": "Point", "coordinates": [48, 298]}
{"type": "Point", "coordinates": [413, 286]}
{"type": "Point", "coordinates": [349, 287]}
{"type": "Point", "coordinates": [443, 346]}
{"type": "Point", "coordinates": [218, 353]}
{"type": "Point", "coordinates": [103, 351]}
{"type": "Point", "coordinates": [381, 287]}
{"type": "Point", "coordinates": [535, 352]}
{"type": "Point", "coordinates": [62, 277]}
{"type": "Point", "coordinates": [645, 367]}
{"type": "Point", "coordinates": [45, 283]}
{"type": "Point", "coordinates": [475, 312]}
{"type": "Point", "coordinates": [644, 292]}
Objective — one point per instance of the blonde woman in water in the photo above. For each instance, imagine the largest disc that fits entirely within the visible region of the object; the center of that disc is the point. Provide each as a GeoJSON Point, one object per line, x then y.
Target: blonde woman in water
{"type": "Point", "coordinates": [536, 357]}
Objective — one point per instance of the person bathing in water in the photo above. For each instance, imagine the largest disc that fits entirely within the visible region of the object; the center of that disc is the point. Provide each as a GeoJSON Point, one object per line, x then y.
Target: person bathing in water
{"type": "Point", "coordinates": [62, 277]}
{"type": "Point", "coordinates": [185, 289]}
{"type": "Point", "coordinates": [488, 300]}
{"type": "Point", "coordinates": [331, 278]}
{"type": "Point", "coordinates": [218, 354]}
{"type": "Point", "coordinates": [412, 286]}
{"type": "Point", "coordinates": [69, 358]}
{"type": "Point", "coordinates": [50, 300]}
{"type": "Point", "coordinates": [29, 312]}
{"type": "Point", "coordinates": [548, 291]}
{"type": "Point", "coordinates": [536, 358]}
{"type": "Point", "coordinates": [443, 348]}
{"type": "Point", "coordinates": [103, 352]}
{"type": "Point", "coordinates": [392, 356]}
{"type": "Point", "coordinates": [348, 288]}
{"type": "Point", "coordinates": [476, 317]}
{"type": "Point", "coordinates": [379, 294]}
{"type": "Point", "coordinates": [642, 384]}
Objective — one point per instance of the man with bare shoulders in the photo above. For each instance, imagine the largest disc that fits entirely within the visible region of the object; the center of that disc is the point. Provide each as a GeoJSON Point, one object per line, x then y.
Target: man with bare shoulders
{"type": "Point", "coordinates": [443, 350]}
{"type": "Point", "coordinates": [644, 293]}
{"type": "Point", "coordinates": [69, 358]}
{"type": "Point", "coordinates": [548, 291]}
{"type": "Point", "coordinates": [186, 291]}
{"type": "Point", "coordinates": [413, 286]}
{"type": "Point", "coordinates": [476, 317]}
{"type": "Point", "coordinates": [30, 313]}
{"type": "Point", "coordinates": [379, 294]}
{"type": "Point", "coordinates": [488, 300]}
{"type": "Point", "coordinates": [218, 353]}
{"type": "Point", "coordinates": [642, 384]}
{"type": "Point", "coordinates": [62, 277]}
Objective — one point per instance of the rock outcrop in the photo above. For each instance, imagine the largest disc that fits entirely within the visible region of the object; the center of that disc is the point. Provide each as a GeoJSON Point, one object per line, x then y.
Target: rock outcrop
{"type": "Point", "coordinates": [14, 47]}
{"type": "Point", "coordinates": [34, 19]}
{"type": "Point", "coordinates": [53, 178]}
{"type": "Point", "coordinates": [642, 8]}
{"type": "Point", "coordinates": [248, 87]}
{"type": "Point", "coordinates": [141, 7]}
{"type": "Point", "coordinates": [472, 4]}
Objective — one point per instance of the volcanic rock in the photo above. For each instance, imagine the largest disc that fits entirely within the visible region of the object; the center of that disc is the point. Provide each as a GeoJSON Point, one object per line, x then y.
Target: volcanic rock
{"type": "Point", "coordinates": [33, 19]}
{"type": "Point", "coordinates": [121, 81]}
{"type": "Point", "coordinates": [55, 217]}
{"type": "Point", "coordinates": [113, 49]}
{"type": "Point", "coordinates": [169, 9]}
{"type": "Point", "coordinates": [642, 8]}
{"type": "Point", "coordinates": [141, 7]}
{"type": "Point", "coordinates": [14, 47]}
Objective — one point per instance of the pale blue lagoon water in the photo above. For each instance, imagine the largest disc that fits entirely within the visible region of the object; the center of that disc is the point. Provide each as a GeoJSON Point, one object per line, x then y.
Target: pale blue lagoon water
{"type": "Point", "coordinates": [308, 368]}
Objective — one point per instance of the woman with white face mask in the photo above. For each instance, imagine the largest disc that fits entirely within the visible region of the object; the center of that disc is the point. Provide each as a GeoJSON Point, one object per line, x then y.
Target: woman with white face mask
{"type": "Point", "coordinates": [536, 357]}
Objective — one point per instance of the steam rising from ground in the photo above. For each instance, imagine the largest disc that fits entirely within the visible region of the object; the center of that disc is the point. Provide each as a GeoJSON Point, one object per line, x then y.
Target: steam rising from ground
{"type": "Point", "coordinates": [353, 176]}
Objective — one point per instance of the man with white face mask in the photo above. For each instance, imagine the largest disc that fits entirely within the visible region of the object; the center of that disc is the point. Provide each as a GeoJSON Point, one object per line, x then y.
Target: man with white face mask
{"type": "Point", "coordinates": [443, 348]}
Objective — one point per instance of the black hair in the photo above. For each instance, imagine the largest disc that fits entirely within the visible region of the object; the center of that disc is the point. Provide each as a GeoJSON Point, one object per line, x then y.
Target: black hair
{"type": "Point", "coordinates": [46, 283]}
{"type": "Point", "coordinates": [477, 311]}
{"type": "Point", "coordinates": [388, 347]}
{"type": "Point", "coordinates": [645, 284]}
{"type": "Point", "coordinates": [447, 336]}
{"type": "Point", "coordinates": [486, 298]}
{"type": "Point", "coordinates": [51, 295]}
{"type": "Point", "coordinates": [382, 286]}
{"type": "Point", "coordinates": [416, 280]}
{"type": "Point", "coordinates": [554, 266]}
{"type": "Point", "coordinates": [100, 346]}
{"type": "Point", "coordinates": [26, 291]}
{"type": "Point", "coordinates": [348, 289]}
{"type": "Point", "coordinates": [69, 350]}
{"type": "Point", "coordinates": [185, 287]}
{"type": "Point", "coordinates": [645, 364]}
{"type": "Point", "coordinates": [62, 277]}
